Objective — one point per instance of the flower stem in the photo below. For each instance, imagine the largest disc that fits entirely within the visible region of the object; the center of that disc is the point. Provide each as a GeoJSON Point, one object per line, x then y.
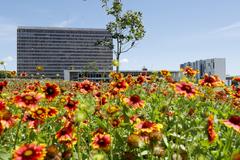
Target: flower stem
{"type": "Point", "coordinates": [18, 128]}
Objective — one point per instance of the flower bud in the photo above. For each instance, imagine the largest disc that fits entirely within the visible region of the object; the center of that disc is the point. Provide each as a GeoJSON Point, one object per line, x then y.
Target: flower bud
{"type": "Point", "coordinates": [134, 141]}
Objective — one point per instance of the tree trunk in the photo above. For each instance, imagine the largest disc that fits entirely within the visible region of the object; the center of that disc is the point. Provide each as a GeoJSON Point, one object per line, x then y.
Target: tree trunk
{"type": "Point", "coordinates": [117, 68]}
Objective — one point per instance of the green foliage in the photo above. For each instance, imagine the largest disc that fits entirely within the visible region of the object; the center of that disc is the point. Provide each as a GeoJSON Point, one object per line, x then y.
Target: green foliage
{"type": "Point", "coordinates": [5, 74]}
{"type": "Point", "coordinates": [126, 29]}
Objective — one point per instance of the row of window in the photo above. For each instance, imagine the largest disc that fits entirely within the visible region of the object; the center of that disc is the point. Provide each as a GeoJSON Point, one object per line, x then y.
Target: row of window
{"type": "Point", "coordinates": [56, 70]}
{"type": "Point", "coordinates": [67, 48]}
{"type": "Point", "coordinates": [61, 38]}
{"type": "Point", "coordinates": [81, 45]}
{"type": "Point", "coordinates": [62, 35]}
{"type": "Point", "coordinates": [63, 54]}
{"type": "Point", "coordinates": [63, 65]}
{"type": "Point", "coordinates": [24, 54]}
{"type": "Point", "coordinates": [53, 41]}
{"type": "Point", "coordinates": [58, 52]}
{"type": "Point", "coordinates": [55, 64]}
{"type": "Point", "coordinates": [64, 59]}
{"type": "Point", "coordinates": [91, 31]}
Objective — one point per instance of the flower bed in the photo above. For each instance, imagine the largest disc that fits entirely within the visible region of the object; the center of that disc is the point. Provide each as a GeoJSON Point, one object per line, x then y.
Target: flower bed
{"type": "Point", "coordinates": [144, 117]}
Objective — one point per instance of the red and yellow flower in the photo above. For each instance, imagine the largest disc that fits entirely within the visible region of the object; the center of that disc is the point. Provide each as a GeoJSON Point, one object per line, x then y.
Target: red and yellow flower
{"type": "Point", "coordinates": [53, 153]}
{"type": "Point", "coordinates": [71, 105]}
{"type": "Point", "coordinates": [31, 88]}
{"type": "Point", "coordinates": [2, 105]}
{"type": "Point", "coordinates": [189, 71]}
{"type": "Point", "coordinates": [33, 122]}
{"type": "Point", "coordinates": [112, 109]}
{"type": "Point", "coordinates": [40, 113]}
{"type": "Point", "coordinates": [101, 141]}
{"type": "Point", "coordinates": [23, 74]}
{"type": "Point", "coordinates": [211, 81]}
{"type": "Point", "coordinates": [146, 127]}
{"type": "Point", "coordinates": [28, 100]}
{"type": "Point", "coordinates": [7, 119]}
{"type": "Point", "coordinates": [211, 132]}
{"type": "Point", "coordinates": [2, 85]}
{"type": "Point", "coordinates": [102, 100]}
{"type": "Point", "coordinates": [51, 91]}
{"type": "Point", "coordinates": [130, 80]}
{"type": "Point", "coordinates": [186, 89]}
{"type": "Point", "coordinates": [30, 152]}
{"type": "Point", "coordinates": [165, 73]}
{"type": "Point", "coordinates": [235, 92]}
{"type": "Point", "coordinates": [84, 87]}
{"type": "Point", "coordinates": [52, 111]}
{"type": "Point", "coordinates": [121, 85]}
{"type": "Point", "coordinates": [141, 79]}
{"type": "Point", "coordinates": [134, 101]}
{"type": "Point", "coordinates": [236, 79]}
{"type": "Point", "coordinates": [116, 76]}
{"type": "Point", "coordinates": [1, 128]}
{"type": "Point", "coordinates": [13, 73]}
{"type": "Point", "coordinates": [233, 122]}
{"type": "Point", "coordinates": [66, 135]}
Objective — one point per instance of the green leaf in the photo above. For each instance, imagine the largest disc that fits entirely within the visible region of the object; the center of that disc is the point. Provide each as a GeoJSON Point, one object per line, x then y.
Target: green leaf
{"type": "Point", "coordinates": [5, 155]}
{"type": "Point", "coordinates": [165, 140]}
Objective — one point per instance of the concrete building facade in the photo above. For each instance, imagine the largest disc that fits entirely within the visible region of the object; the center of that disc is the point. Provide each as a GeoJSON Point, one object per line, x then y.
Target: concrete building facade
{"type": "Point", "coordinates": [58, 49]}
{"type": "Point", "coordinates": [214, 66]}
{"type": "Point", "coordinates": [79, 75]}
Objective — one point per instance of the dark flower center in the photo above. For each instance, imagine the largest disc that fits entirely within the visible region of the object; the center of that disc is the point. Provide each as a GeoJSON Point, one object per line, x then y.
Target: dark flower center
{"type": "Point", "coordinates": [101, 142]}
{"type": "Point", "coordinates": [140, 79]}
{"type": "Point", "coordinates": [135, 99]}
{"type": "Point", "coordinates": [147, 124]}
{"type": "Point", "coordinates": [121, 85]}
{"type": "Point", "coordinates": [86, 87]}
{"type": "Point", "coordinates": [50, 90]}
{"type": "Point", "coordinates": [187, 88]}
{"type": "Point", "coordinates": [235, 120]}
{"type": "Point", "coordinates": [64, 131]}
{"type": "Point", "coordinates": [71, 103]}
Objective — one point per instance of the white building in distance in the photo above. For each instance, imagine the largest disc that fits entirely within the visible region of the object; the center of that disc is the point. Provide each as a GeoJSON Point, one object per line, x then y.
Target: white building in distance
{"type": "Point", "coordinates": [214, 66]}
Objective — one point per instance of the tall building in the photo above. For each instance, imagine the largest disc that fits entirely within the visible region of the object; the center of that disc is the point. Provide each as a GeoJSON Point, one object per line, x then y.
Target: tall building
{"type": "Point", "coordinates": [57, 49]}
{"type": "Point", "coordinates": [214, 66]}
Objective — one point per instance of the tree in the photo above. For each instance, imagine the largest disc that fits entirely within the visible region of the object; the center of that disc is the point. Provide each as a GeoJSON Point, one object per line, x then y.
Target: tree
{"type": "Point", "coordinates": [4, 73]}
{"type": "Point", "coordinates": [126, 28]}
{"type": "Point", "coordinates": [3, 64]}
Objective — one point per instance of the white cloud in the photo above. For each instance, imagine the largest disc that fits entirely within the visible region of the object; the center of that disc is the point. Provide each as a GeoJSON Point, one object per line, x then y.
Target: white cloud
{"type": "Point", "coordinates": [64, 23]}
{"type": "Point", "coordinates": [8, 59]}
{"type": "Point", "coordinates": [228, 27]}
{"type": "Point", "coordinates": [125, 60]}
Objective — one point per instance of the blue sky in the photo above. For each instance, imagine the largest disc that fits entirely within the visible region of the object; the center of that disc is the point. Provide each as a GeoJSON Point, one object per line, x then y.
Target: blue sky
{"type": "Point", "coordinates": [176, 30]}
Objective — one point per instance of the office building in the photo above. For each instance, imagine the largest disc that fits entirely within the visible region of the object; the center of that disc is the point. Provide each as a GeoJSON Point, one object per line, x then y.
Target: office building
{"type": "Point", "coordinates": [57, 49]}
{"type": "Point", "coordinates": [214, 66]}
